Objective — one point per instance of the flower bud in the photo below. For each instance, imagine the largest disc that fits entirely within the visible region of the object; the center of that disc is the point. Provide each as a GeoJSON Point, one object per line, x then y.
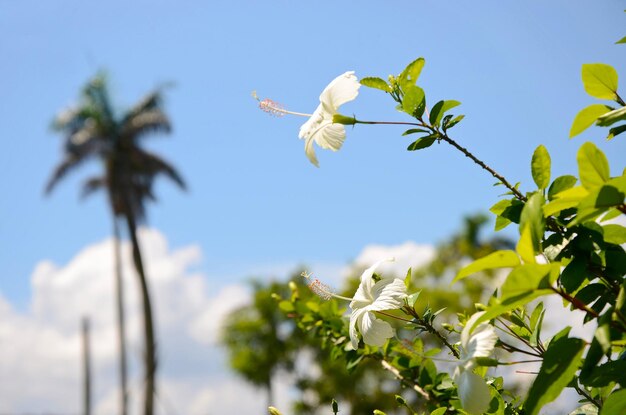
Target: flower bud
{"type": "Point", "coordinates": [274, 411]}
{"type": "Point", "coordinates": [342, 119]}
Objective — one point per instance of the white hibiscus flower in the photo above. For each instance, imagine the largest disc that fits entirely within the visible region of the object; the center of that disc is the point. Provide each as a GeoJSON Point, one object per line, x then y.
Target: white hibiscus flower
{"type": "Point", "coordinates": [480, 342]}
{"type": "Point", "coordinates": [388, 293]}
{"type": "Point", "coordinates": [320, 127]}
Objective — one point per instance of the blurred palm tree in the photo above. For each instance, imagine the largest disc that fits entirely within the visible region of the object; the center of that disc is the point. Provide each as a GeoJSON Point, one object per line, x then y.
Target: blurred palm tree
{"type": "Point", "coordinates": [94, 130]}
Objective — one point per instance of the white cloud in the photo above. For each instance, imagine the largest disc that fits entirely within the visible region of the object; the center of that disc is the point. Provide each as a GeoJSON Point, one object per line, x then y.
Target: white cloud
{"type": "Point", "coordinates": [407, 255]}
{"type": "Point", "coordinates": [40, 368]}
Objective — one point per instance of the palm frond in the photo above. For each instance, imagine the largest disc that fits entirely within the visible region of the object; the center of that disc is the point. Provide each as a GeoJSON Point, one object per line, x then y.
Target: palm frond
{"type": "Point", "coordinates": [68, 164]}
{"type": "Point", "coordinates": [92, 185]}
{"type": "Point", "coordinates": [145, 122]}
{"type": "Point", "coordinates": [154, 165]}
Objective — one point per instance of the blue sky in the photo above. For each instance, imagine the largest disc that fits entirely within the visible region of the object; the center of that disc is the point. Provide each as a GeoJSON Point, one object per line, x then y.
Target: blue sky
{"type": "Point", "coordinates": [254, 198]}
{"type": "Point", "coordinates": [255, 204]}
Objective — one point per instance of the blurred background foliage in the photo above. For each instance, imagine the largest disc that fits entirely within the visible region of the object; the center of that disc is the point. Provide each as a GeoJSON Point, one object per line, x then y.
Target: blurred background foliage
{"type": "Point", "coordinates": [264, 340]}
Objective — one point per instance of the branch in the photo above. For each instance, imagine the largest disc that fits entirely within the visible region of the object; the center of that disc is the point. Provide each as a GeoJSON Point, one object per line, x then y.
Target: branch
{"type": "Point", "coordinates": [482, 164]}
{"type": "Point", "coordinates": [386, 365]}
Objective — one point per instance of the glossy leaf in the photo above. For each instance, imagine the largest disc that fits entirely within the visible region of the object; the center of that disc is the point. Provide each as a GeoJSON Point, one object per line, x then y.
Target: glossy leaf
{"type": "Point", "coordinates": [608, 372]}
{"type": "Point", "coordinates": [574, 274]}
{"type": "Point", "coordinates": [532, 217]}
{"type": "Point", "coordinates": [612, 117]}
{"type": "Point", "coordinates": [440, 108]}
{"type": "Point", "coordinates": [564, 200]}
{"type": "Point", "coordinates": [525, 247]}
{"type": "Point", "coordinates": [529, 278]}
{"type": "Point", "coordinates": [614, 234]}
{"type": "Point", "coordinates": [615, 131]}
{"type": "Point", "coordinates": [540, 167]}
{"type": "Point", "coordinates": [498, 259]}
{"type": "Point", "coordinates": [509, 304]}
{"type": "Point", "coordinates": [560, 184]}
{"type": "Point", "coordinates": [413, 98]}
{"type": "Point", "coordinates": [422, 143]}
{"type": "Point", "coordinates": [454, 121]}
{"type": "Point", "coordinates": [414, 130]}
{"type": "Point", "coordinates": [593, 167]}
{"type": "Point", "coordinates": [376, 83]}
{"type": "Point", "coordinates": [600, 80]}
{"type": "Point", "coordinates": [559, 366]}
{"type": "Point", "coordinates": [411, 73]}
{"type": "Point", "coordinates": [615, 404]}
{"type": "Point", "coordinates": [586, 117]}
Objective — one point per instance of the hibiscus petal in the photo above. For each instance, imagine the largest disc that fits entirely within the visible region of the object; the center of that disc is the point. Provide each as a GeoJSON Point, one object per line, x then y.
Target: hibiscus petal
{"type": "Point", "coordinates": [367, 280]}
{"type": "Point", "coordinates": [342, 89]}
{"type": "Point", "coordinates": [310, 151]}
{"type": "Point", "coordinates": [355, 318]}
{"type": "Point", "coordinates": [330, 137]}
{"type": "Point", "coordinates": [481, 341]}
{"type": "Point", "coordinates": [473, 392]}
{"type": "Point", "coordinates": [313, 123]}
{"type": "Point", "coordinates": [388, 294]}
{"type": "Point", "coordinates": [375, 331]}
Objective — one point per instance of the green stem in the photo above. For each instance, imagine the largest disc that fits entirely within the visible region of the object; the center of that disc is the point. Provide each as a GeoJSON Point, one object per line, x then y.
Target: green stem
{"type": "Point", "coordinates": [429, 328]}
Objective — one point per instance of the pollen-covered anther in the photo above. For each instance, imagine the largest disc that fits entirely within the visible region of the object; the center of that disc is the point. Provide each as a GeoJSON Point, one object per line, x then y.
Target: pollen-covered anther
{"type": "Point", "coordinates": [272, 107]}
{"type": "Point", "coordinates": [318, 287]}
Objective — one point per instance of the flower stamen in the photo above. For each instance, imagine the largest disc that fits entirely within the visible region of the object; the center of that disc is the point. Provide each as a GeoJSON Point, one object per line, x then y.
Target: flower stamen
{"type": "Point", "coordinates": [320, 289]}
{"type": "Point", "coordinates": [275, 108]}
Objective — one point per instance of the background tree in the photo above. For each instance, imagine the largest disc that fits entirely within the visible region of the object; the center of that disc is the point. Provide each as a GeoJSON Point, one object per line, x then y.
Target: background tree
{"type": "Point", "coordinates": [268, 334]}
{"type": "Point", "coordinates": [93, 129]}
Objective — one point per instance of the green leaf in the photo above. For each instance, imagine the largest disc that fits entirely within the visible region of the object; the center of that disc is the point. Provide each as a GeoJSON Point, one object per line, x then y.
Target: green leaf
{"type": "Point", "coordinates": [509, 304]}
{"type": "Point", "coordinates": [498, 259]}
{"type": "Point", "coordinates": [411, 299]}
{"type": "Point", "coordinates": [415, 130]}
{"type": "Point", "coordinates": [560, 184]}
{"type": "Point", "coordinates": [622, 40]}
{"type": "Point", "coordinates": [536, 321]}
{"type": "Point", "coordinates": [614, 234]}
{"type": "Point", "coordinates": [525, 247]}
{"type": "Point", "coordinates": [612, 117]}
{"type": "Point", "coordinates": [540, 167]}
{"type": "Point", "coordinates": [439, 411]}
{"type": "Point", "coordinates": [564, 200]}
{"type": "Point", "coordinates": [574, 274]}
{"type": "Point", "coordinates": [528, 278]}
{"type": "Point", "coordinates": [411, 73]}
{"type": "Point", "coordinates": [454, 121]}
{"type": "Point", "coordinates": [615, 404]}
{"type": "Point", "coordinates": [586, 409]}
{"type": "Point", "coordinates": [586, 117]}
{"type": "Point", "coordinates": [532, 216]}
{"type": "Point", "coordinates": [440, 108]}
{"type": "Point", "coordinates": [376, 83]}
{"type": "Point", "coordinates": [559, 366]}
{"type": "Point", "coordinates": [600, 80]}
{"type": "Point", "coordinates": [593, 167]}
{"type": "Point", "coordinates": [423, 142]}
{"type": "Point", "coordinates": [615, 131]}
{"type": "Point", "coordinates": [507, 210]}
{"type": "Point", "coordinates": [414, 98]}
{"type": "Point", "coordinates": [608, 372]}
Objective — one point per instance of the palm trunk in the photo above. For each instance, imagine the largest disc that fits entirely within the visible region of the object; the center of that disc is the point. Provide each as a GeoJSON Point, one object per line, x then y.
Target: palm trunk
{"type": "Point", "coordinates": [150, 352]}
{"type": "Point", "coordinates": [121, 318]}
{"type": "Point", "coordinates": [86, 368]}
